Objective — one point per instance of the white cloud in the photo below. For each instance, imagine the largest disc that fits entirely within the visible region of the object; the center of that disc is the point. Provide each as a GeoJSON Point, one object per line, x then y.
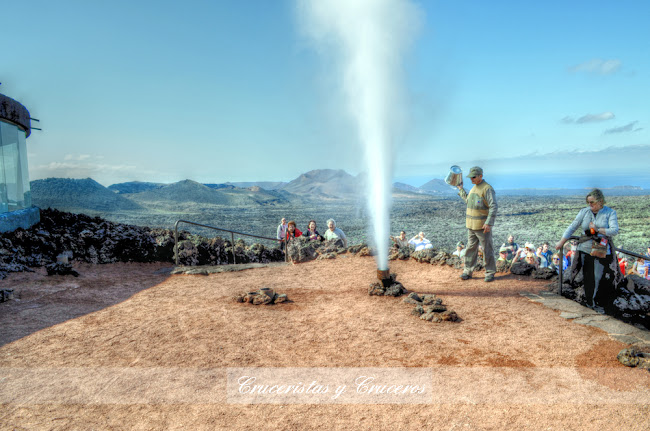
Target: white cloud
{"type": "Point", "coordinates": [588, 118]}
{"type": "Point", "coordinates": [595, 118]}
{"type": "Point", "coordinates": [101, 172]}
{"type": "Point", "coordinates": [76, 157]}
{"type": "Point", "coordinates": [568, 161]}
{"type": "Point", "coordinates": [81, 157]}
{"type": "Point", "coordinates": [598, 66]}
{"type": "Point", "coordinates": [623, 129]}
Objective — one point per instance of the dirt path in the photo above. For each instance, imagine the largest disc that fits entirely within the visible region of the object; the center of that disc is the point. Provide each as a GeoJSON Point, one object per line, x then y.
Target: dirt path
{"type": "Point", "coordinates": [124, 346]}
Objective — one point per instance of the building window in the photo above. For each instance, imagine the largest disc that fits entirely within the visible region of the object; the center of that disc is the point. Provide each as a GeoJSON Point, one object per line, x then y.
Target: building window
{"type": "Point", "coordinates": [14, 176]}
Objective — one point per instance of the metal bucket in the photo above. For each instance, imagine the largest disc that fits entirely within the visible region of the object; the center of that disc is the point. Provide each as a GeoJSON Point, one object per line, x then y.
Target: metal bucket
{"type": "Point", "coordinates": [455, 176]}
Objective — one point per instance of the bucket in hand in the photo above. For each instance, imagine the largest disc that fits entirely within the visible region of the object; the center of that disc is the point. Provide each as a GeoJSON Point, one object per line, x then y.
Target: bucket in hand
{"type": "Point", "coordinates": [455, 176]}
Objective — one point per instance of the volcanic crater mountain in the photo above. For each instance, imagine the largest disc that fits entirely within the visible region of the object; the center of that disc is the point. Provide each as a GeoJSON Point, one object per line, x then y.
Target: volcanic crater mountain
{"type": "Point", "coordinates": [78, 196]}
{"type": "Point", "coordinates": [438, 187]}
{"type": "Point", "coordinates": [325, 183]}
{"type": "Point", "coordinates": [134, 187]}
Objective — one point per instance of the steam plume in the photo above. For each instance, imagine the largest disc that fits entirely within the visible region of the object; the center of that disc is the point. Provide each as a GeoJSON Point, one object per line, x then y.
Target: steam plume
{"type": "Point", "coordinates": [369, 39]}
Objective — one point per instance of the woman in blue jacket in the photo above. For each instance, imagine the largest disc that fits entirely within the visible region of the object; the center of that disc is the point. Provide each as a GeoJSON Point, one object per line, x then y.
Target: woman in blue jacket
{"type": "Point", "coordinates": [597, 223]}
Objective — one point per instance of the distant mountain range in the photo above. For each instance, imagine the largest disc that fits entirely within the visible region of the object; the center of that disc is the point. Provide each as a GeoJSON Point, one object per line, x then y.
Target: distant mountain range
{"type": "Point", "coordinates": [191, 192]}
{"type": "Point", "coordinates": [313, 186]}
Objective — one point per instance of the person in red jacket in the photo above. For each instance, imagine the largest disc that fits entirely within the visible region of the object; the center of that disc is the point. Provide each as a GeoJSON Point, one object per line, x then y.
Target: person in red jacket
{"type": "Point", "coordinates": [292, 231]}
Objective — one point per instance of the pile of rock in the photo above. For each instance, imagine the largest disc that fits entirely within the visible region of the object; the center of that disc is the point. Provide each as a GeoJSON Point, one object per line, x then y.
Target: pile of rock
{"type": "Point", "coordinates": [60, 268]}
{"type": "Point", "coordinates": [6, 294]}
{"type": "Point", "coordinates": [400, 253]}
{"type": "Point", "coordinates": [263, 296]}
{"type": "Point", "coordinates": [427, 305]}
{"type": "Point", "coordinates": [630, 301]}
{"type": "Point", "coordinates": [303, 250]}
{"type": "Point", "coordinates": [95, 240]}
{"type": "Point", "coordinates": [196, 250]}
{"type": "Point", "coordinates": [441, 257]}
{"type": "Point", "coordinates": [522, 268]}
{"type": "Point", "coordinates": [430, 308]}
{"type": "Point", "coordinates": [635, 356]}
{"type": "Point", "coordinates": [388, 287]}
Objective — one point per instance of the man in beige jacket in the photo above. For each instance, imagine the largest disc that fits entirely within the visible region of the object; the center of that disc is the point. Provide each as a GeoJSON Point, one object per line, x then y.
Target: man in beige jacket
{"type": "Point", "coordinates": [480, 216]}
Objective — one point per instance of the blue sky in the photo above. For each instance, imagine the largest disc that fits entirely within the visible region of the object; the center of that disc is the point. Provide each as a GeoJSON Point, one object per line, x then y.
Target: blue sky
{"type": "Point", "coordinates": [216, 91]}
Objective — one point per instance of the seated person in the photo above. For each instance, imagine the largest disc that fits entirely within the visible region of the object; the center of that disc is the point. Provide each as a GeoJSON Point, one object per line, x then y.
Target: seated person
{"type": "Point", "coordinates": [512, 247]}
{"type": "Point", "coordinates": [546, 251]}
{"type": "Point", "coordinates": [460, 250]}
{"type": "Point", "coordinates": [503, 254]}
{"type": "Point", "coordinates": [542, 261]}
{"type": "Point", "coordinates": [531, 259]}
{"type": "Point", "coordinates": [570, 250]}
{"type": "Point", "coordinates": [629, 263]}
{"type": "Point", "coordinates": [311, 233]}
{"type": "Point", "coordinates": [292, 231]}
{"type": "Point", "coordinates": [335, 233]}
{"type": "Point", "coordinates": [502, 262]}
{"type": "Point", "coordinates": [567, 251]}
{"type": "Point", "coordinates": [555, 262]}
{"type": "Point", "coordinates": [621, 261]}
{"type": "Point", "coordinates": [420, 242]}
{"type": "Point", "coordinates": [480, 254]}
{"type": "Point", "coordinates": [523, 253]}
{"type": "Point", "coordinates": [400, 241]}
{"type": "Point", "coordinates": [640, 268]}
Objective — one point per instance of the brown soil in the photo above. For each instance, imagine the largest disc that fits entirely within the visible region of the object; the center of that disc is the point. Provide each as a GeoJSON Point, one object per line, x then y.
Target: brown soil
{"type": "Point", "coordinates": [67, 345]}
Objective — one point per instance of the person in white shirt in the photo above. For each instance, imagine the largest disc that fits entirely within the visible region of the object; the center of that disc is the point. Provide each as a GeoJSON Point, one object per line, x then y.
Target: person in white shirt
{"type": "Point", "coordinates": [335, 233]}
{"type": "Point", "coordinates": [460, 249]}
{"type": "Point", "coordinates": [282, 232]}
{"type": "Point", "coordinates": [521, 255]}
{"type": "Point", "coordinates": [420, 242]}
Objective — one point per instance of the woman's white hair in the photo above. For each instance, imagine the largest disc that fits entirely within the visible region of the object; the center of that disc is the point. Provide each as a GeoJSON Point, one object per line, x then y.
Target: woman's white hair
{"type": "Point", "coordinates": [331, 220]}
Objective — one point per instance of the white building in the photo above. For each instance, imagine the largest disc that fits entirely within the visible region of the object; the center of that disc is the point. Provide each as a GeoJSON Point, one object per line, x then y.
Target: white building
{"type": "Point", "coordinates": [16, 208]}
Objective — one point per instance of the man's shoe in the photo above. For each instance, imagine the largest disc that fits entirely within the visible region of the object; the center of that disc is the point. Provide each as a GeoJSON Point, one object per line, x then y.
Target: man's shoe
{"type": "Point", "coordinates": [489, 279]}
{"type": "Point", "coordinates": [465, 277]}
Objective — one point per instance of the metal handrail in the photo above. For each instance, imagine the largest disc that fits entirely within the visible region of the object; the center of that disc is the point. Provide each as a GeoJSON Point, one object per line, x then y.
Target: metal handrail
{"type": "Point", "coordinates": [232, 237]}
{"type": "Point", "coordinates": [631, 253]}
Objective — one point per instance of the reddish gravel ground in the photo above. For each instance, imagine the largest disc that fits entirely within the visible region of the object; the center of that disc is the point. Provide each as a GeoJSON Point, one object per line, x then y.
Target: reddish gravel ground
{"type": "Point", "coordinates": [124, 346]}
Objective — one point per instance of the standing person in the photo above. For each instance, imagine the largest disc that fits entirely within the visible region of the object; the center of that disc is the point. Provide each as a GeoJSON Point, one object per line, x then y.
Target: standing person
{"type": "Point", "coordinates": [598, 224]}
{"type": "Point", "coordinates": [282, 232]}
{"type": "Point", "coordinates": [335, 233]}
{"type": "Point", "coordinates": [481, 213]}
